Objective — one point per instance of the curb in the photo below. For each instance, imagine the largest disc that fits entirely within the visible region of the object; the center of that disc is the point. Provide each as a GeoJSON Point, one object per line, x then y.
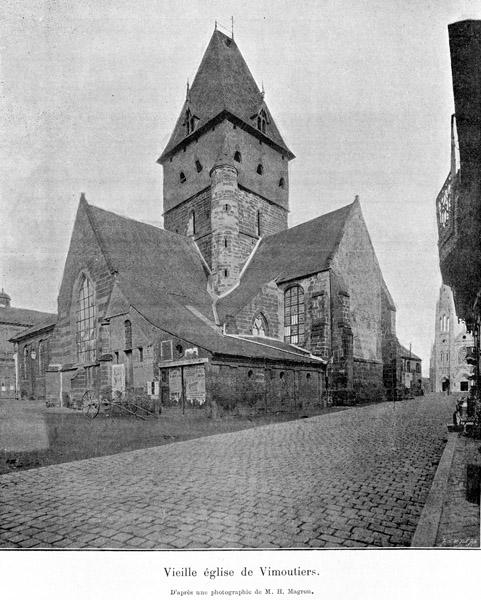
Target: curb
{"type": "Point", "coordinates": [428, 525]}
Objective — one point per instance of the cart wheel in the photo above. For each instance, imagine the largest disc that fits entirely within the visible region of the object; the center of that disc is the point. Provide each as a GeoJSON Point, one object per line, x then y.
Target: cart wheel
{"type": "Point", "coordinates": [90, 405]}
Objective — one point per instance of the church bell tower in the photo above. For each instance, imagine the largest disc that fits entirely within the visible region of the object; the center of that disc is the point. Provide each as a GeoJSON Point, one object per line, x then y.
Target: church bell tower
{"type": "Point", "coordinates": [225, 166]}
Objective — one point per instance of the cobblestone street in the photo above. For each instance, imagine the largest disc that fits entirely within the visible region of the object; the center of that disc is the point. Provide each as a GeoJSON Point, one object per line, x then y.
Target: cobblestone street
{"type": "Point", "coordinates": [358, 477]}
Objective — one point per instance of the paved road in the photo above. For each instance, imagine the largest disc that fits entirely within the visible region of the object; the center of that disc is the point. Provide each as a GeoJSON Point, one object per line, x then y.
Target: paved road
{"type": "Point", "coordinates": [353, 478]}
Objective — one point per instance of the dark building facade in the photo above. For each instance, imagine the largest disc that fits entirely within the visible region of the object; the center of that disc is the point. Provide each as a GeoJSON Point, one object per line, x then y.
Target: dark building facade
{"type": "Point", "coordinates": [12, 322]}
{"type": "Point", "coordinates": [458, 204]}
{"type": "Point", "coordinates": [32, 349]}
{"type": "Point", "coordinates": [226, 307]}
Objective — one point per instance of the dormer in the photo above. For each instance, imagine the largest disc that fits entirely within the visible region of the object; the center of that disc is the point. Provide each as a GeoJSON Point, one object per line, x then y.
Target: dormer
{"type": "Point", "coordinates": [190, 122]}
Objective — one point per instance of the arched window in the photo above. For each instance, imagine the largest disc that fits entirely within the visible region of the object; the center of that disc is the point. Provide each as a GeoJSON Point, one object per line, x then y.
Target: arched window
{"type": "Point", "coordinates": [198, 166]}
{"type": "Point", "coordinates": [86, 329]}
{"type": "Point", "coordinates": [260, 169]}
{"type": "Point", "coordinates": [261, 121]}
{"type": "Point", "coordinates": [190, 121]}
{"type": "Point", "coordinates": [128, 334]}
{"type": "Point", "coordinates": [259, 326]}
{"type": "Point", "coordinates": [182, 177]}
{"type": "Point", "coordinates": [447, 324]}
{"type": "Point", "coordinates": [282, 183]}
{"type": "Point", "coordinates": [294, 315]}
{"type": "Point", "coordinates": [238, 156]}
{"type": "Point", "coordinates": [191, 224]}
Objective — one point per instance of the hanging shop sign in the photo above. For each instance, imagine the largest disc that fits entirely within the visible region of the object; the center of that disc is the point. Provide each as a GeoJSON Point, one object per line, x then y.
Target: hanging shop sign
{"type": "Point", "coordinates": [175, 385]}
{"type": "Point", "coordinates": [118, 378]}
{"type": "Point", "coordinates": [194, 378]}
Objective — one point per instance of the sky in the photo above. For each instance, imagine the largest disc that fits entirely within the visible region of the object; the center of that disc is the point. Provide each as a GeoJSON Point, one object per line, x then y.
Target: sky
{"type": "Point", "coordinates": [361, 92]}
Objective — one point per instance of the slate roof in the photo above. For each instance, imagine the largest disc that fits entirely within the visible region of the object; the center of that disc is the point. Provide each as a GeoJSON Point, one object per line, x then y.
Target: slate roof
{"type": "Point", "coordinates": [404, 352]}
{"type": "Point", "coordinates": [290, 254]}
{"type": "Point", "coordinates": [223, 83]}
{"type": "Point", "coordinates": [48, 323]}
{"type": "Point", "coordinates": [171, 314]}
{"type": "Point", "coordinates": [141, 253]}
{"type": "Point", "coordinates": [161, 274]}
{"type": "Point", "coordinates": [22, 316]}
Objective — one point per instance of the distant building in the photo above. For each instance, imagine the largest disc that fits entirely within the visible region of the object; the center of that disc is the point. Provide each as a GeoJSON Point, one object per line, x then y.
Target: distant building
{"type": "Point", "coordinates": [449, 371]}
{"type": "Point", "coordinates": [32, 349]}
{"type": "Point", "coordinates": [410, 371]}
{"type": "Point", "coordinates": [12, 321]}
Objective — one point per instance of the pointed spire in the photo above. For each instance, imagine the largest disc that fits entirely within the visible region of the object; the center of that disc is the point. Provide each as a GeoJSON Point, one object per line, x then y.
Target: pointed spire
{"type": "Point", "coordinates": [223, 85]}
{"type": "Point", "coordinates": [187, 93]}
{"type": "Point", "coordinates": [263, 92]}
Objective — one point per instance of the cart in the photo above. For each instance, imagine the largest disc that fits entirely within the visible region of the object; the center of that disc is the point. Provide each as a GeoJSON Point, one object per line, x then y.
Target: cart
{"type": "Point", "coordinates": [94, 403]}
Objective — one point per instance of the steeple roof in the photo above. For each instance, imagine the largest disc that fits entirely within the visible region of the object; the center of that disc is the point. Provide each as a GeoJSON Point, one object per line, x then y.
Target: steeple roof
{"type": "Point", "coordinates": [224, 84]}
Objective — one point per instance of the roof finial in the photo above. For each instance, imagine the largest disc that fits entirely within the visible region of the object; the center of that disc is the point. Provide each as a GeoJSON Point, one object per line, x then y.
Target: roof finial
{"type": "Point", "coordinates": [356, 198]}
{"type": "Point", "coordinates": [215, 26]}
{"type": "Point", "coordinates": [187, 92]}
{"type": "Point", "coordinates": [263, 92]}
{"type": "Point", "coordinates": [232, 26]}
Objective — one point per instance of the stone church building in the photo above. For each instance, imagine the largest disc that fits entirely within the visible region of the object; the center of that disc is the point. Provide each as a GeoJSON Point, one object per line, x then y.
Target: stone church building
{"type": "Point", "coordinates": [226, 306]}
{"type": "Point", "coordinates": [449, 371]}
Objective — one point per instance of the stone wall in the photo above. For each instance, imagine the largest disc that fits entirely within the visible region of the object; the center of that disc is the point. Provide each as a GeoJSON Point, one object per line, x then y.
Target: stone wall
{"type": "Point", "coordinates": [204, 152]}
{"type": "Point", "coordinates": [243, 388]}
{"type": "Point", "coordinates": [356, 262]}
{"type": "Point", "coordinates": [368, 381]}
{"type": "Point", "coordinates": [84, 257]}
{"type": "Point", "coordinates": [269, 302]}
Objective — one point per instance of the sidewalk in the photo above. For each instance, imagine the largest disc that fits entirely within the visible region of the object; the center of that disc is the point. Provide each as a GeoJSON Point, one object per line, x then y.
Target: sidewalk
{"type": "Point", "coordinates": [460, 520]}
{"type": "Point", "coordinates": [448, 519]}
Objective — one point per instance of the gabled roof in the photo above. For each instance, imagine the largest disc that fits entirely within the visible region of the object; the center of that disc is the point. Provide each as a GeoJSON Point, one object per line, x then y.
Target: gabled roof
{"type": "Point", "coordinates": [290, 254]}
{"type": "Point", "coordinates": [224, 83]}
{"type": "Point", "coordinates": [161, 274]}
{"type": "Point", "coordinates": [155, 259]}
{"type": "Point", "coordinates": [172, 315]}
{"type": "Point", "coordinates": [44, 325]}
{"type": "Point", "coordinates": [405, 353]}
{"type": "Point", "coordinates": [22, 316]}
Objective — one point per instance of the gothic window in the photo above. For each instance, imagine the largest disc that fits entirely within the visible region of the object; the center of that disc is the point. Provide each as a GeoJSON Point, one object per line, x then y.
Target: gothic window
{"type": "Point", "coordinates": [282, 183]}
{"type": "Point", "coordinates": [238, 156]}
{"type": "Point", "coordinates": [190, 122]}
{"type": "Point", "coordinates": [128, 335]}
{"type": "Point", "coordinates": [86, 330]}
{"type": "Point", "coordinates": [182, 177]}
{"type": "Point", "coordinates": [294, 315]}
{"type": "Point", "coordinates": [198, 166]}
{"type": "Point", "coordinates": [259, 326]}
{"type": "Point", "coordinates": [260, 169]}
{"type": "Point", "coordinates": [261, 121]}
{"type": "Point", "coordinates": [191, 224]}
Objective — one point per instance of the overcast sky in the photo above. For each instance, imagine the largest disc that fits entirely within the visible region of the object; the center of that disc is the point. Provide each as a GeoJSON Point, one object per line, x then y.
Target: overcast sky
{"type": "Point", "coordinates": [361, 92]}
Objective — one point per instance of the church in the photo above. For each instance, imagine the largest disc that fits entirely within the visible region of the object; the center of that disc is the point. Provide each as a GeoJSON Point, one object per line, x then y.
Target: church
{"type": "Point", "coordinates": [226, 307]}
{"type": "Point", "coordinates": [449, 371]}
